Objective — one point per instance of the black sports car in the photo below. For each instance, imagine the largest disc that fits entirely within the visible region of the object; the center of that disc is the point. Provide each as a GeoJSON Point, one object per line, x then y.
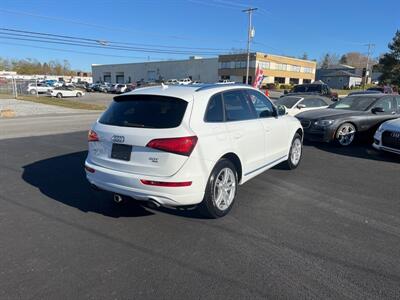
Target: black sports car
{"type": "Point", "coordinates": [350, 117]}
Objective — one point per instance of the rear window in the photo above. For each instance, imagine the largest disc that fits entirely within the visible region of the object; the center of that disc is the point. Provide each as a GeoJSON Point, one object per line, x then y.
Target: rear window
{"type": "Point", "coordinates": [145, 111]}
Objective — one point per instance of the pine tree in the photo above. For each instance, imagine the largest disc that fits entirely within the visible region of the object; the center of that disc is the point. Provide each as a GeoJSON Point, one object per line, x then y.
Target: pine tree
{"type": "Point", "coordinates": [390, 62]}
{"type": "Point", "coordinates": [343, 59]}
{"type": "Point", "coordinates": [325, 62]}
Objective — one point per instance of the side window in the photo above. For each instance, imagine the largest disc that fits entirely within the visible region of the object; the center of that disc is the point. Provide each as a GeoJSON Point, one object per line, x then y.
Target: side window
{"type": "Point", "coordinates": [214, 111]}
{"type": "Point", "coordinates": [309, 102]}
{"type": "Point", "coordinates": [387, 104]}
{"type": "Point", "coordinates": [398, 103]}
{"type": "Point", "coordinates": [319, 103]}
{"type": "Point", "coordinates": [237, 107]}
{"type": "Point", "coordinates": [262, 105]}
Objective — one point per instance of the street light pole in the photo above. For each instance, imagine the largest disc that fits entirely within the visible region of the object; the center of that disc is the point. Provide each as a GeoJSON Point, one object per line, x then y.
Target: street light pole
{"type": "Point", "coordinates": [249, 37]}
{"type": "Point", "coordinates": [367, 66]}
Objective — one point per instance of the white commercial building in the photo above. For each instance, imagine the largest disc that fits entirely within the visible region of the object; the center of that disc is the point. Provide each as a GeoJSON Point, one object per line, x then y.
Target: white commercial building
{"type": "Point", "coordinates": [195, 68]}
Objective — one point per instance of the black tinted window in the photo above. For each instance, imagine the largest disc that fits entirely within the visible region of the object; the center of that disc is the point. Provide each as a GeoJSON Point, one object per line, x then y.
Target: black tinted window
{"type": "Point", "coordinates": [313, 102]}
{"type": "Point", "coordinates": [146, 111]}
{"type": "Point", "coordinates": [214, 111]}
{"type": "Point", "coordinates": [237, 107]}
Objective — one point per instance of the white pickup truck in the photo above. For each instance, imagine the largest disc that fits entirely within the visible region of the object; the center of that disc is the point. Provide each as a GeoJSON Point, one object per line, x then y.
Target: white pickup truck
{"type": "Point", "coordinates": [39, 88]}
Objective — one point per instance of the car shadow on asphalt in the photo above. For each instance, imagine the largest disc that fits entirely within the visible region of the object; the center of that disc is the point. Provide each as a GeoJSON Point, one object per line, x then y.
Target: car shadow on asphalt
{"type": "Point", "coordinates": [62, 178]}
{"type": "Point", "coordinates": [361, 149]}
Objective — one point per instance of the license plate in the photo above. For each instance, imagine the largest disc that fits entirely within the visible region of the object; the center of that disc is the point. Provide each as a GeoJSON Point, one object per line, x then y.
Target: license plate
{"type": "Point", "coordinates": [121, 152]}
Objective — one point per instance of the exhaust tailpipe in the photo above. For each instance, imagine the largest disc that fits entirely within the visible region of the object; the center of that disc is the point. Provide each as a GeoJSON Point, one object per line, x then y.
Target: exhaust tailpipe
{"type": "Point", "coordinates": [153, 203]}
{"type": "Point", "coordinates": [118, 198]}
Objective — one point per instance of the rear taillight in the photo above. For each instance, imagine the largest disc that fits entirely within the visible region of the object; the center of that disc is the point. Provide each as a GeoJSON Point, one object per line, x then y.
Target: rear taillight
{"type": "Point", "coordinates": [166, 184]}
{"type": "Point", "coordinates": [92, 136]}
{"type": "Point", "coordinates": [181, 145]}
{"type": "Point", "coordinates": [89, 169]}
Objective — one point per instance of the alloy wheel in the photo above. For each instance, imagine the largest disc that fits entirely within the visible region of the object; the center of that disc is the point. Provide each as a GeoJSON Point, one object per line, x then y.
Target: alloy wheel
{"type": "Point", "coordinates": [224, 189]}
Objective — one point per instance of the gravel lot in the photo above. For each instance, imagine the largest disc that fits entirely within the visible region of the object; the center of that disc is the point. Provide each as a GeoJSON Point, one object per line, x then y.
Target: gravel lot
{"type": "Point", "coordinates": [330, 229]}
{"type": "Point", "coordinates": [23, 108]}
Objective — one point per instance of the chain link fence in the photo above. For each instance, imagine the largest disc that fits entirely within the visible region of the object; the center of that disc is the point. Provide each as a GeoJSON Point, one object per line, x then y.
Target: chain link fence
{"type": "Point", "coordinates": [12, 88]}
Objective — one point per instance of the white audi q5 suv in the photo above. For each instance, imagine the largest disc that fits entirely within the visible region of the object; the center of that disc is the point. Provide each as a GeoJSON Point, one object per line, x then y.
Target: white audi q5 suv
{"type": "Point", "coordinates": [187, 145]}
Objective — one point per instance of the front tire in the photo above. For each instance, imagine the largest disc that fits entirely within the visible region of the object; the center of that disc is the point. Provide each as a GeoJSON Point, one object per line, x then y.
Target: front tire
{"type": "Point", "coordinates": [59, 95]}
{"type": "Point", "coordinates": [78, 95]}
{"type": "Point", "coordinates": [295, 152]}
{"type": "Point", "coordinates": [220, 191]}
{"type": "Point", "coordinates": [33, 92]}
{"type": "Point", "coordinates": [345, 134]}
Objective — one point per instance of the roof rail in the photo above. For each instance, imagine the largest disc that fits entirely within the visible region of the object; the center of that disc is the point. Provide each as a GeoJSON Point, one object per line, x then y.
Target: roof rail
{"type": "Point", "coordinates": [217, 85]}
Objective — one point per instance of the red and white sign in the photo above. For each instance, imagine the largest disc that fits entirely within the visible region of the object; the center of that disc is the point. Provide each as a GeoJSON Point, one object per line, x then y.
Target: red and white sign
{"type": "Point", "coordinates": [259, 78]}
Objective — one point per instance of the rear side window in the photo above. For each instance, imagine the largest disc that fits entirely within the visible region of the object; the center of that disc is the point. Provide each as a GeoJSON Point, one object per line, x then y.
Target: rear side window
{"type": "Point", "coordinates": [145, 111]}
{"type": "Point", "coordinates": [214, 112]}
{"type": "Point", "coordinates": [237, 107]}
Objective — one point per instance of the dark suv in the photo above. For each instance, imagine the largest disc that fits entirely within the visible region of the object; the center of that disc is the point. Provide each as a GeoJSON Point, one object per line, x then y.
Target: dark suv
{"type": "Point", "coordinates": [320, 89]}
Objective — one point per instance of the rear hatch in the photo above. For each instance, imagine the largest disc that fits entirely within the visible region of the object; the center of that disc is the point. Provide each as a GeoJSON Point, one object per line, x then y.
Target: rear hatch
{"type": "Point", "coordinates": [144, 134]}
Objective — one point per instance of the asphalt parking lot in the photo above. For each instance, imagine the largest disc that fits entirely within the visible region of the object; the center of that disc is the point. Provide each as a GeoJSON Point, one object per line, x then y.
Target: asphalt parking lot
{"type": "Point", "coordinates": [330, 229]}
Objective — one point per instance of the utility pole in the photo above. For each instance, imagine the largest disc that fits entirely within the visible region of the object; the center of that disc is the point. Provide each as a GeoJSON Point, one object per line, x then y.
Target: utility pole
{"type": "Point", "coordinates": [370, 46]}
{"type": "Point", "coordinates": [250, 35]}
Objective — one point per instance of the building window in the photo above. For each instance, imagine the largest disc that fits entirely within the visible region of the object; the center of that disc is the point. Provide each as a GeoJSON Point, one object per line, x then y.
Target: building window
{"type": "Point", "coordinates": [294, 80]}
{"type": "Point", "coordinates": [281, 67]}
{"type": "Point", "coordinates": [225, 77]}
{"type": "Point", "coordinates": [240, 64]}
{"type": "Point", "coordinates": [307, 70]}
{"type": "Point", "coordinates": [294, 68]}
{"type": "Point", "coordinates": [306, 80]}
{"type": "Point", "coordinates": [264, 65]}
{"type": "Point", "coordinates": [279, 80]}
{"type": "Point", "coordinates": [225, 65]}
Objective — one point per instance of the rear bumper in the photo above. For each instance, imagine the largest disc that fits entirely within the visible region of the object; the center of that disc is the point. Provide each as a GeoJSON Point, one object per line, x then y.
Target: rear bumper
{"type": "Point", "coordinates": [129, 184]}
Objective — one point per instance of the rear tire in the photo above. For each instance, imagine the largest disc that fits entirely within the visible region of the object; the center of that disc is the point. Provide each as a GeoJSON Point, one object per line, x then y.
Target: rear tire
{"type": "Point", "coordinates": [295, 153]}
{"type": "Point", "coordinates": [33, 92]}
{"type": "Point", "coordinates": [220, 191]}
{"type": "Point", "coordinates": [59, 95]}
{"type": "Point", "coordinates": [78, 95]}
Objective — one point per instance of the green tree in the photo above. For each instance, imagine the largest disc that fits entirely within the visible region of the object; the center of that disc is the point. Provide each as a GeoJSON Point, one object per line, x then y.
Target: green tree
{"type": "Point", "coordinates": [390, 62]}
{"type": "Point", "coordinates": [343, 59]}
{"type": "Point", "coordinates": [304, 56]}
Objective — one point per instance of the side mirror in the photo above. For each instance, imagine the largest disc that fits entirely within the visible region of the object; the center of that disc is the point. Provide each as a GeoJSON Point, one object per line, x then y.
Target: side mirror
{"type": "Point", "coordinates": [300, 106]}
{"type": "Point", "coordinates": [281, 110]}
{"type": "Point", "coordinates": [285, 92]}
{"type": "Point", "coordinates": [377, 110]}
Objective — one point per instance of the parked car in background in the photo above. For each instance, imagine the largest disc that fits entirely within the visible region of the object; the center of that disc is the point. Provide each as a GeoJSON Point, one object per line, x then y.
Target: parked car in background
{"type": "Point", "coordinates": [387, 137]}
{"type": "Point", "coordinates": [364, 92]}
{"type": "Point", "coordinates": [171, 81]}
{"type": "Point", "coordinates": [352, 116]}
{"type": "Point", "coordinates": [120, 88]}
{"type": "Point", "coordinates": [38, 88]}
{"type": "Point", "coordinates": [66, 91]}
{"type": "Point", "coordinates": [301, 103]}
{"type": "Point", "coordinates": [184, 81]}
{"type": "Point", "coordinates": [315, 88]}
{"type": "Point", "coordinates": [175, 146]}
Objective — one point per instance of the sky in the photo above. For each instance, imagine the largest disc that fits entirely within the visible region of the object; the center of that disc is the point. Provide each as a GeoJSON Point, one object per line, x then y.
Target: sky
{"type": "Point", "coordinates": [188, 26]}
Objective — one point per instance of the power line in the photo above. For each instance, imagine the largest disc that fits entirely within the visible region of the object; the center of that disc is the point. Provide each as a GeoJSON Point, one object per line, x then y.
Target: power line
{"type": "Point", "coordinates": [91, 43]}
{"type": "Point", "coordinates": [106, 41]}
{"type": "Point", "coordinates": [75, 51]}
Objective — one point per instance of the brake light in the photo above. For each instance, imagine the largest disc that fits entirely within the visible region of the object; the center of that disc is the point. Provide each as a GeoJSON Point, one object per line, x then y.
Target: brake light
{"type": "Point", "coordinates": [92, 136]}
{"type": "Point", "coordinates": [89, 169]}
{"type": "Point", "coordinates": [181, 145]}
{"type": "Point", "coordinates": [166, 184]}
